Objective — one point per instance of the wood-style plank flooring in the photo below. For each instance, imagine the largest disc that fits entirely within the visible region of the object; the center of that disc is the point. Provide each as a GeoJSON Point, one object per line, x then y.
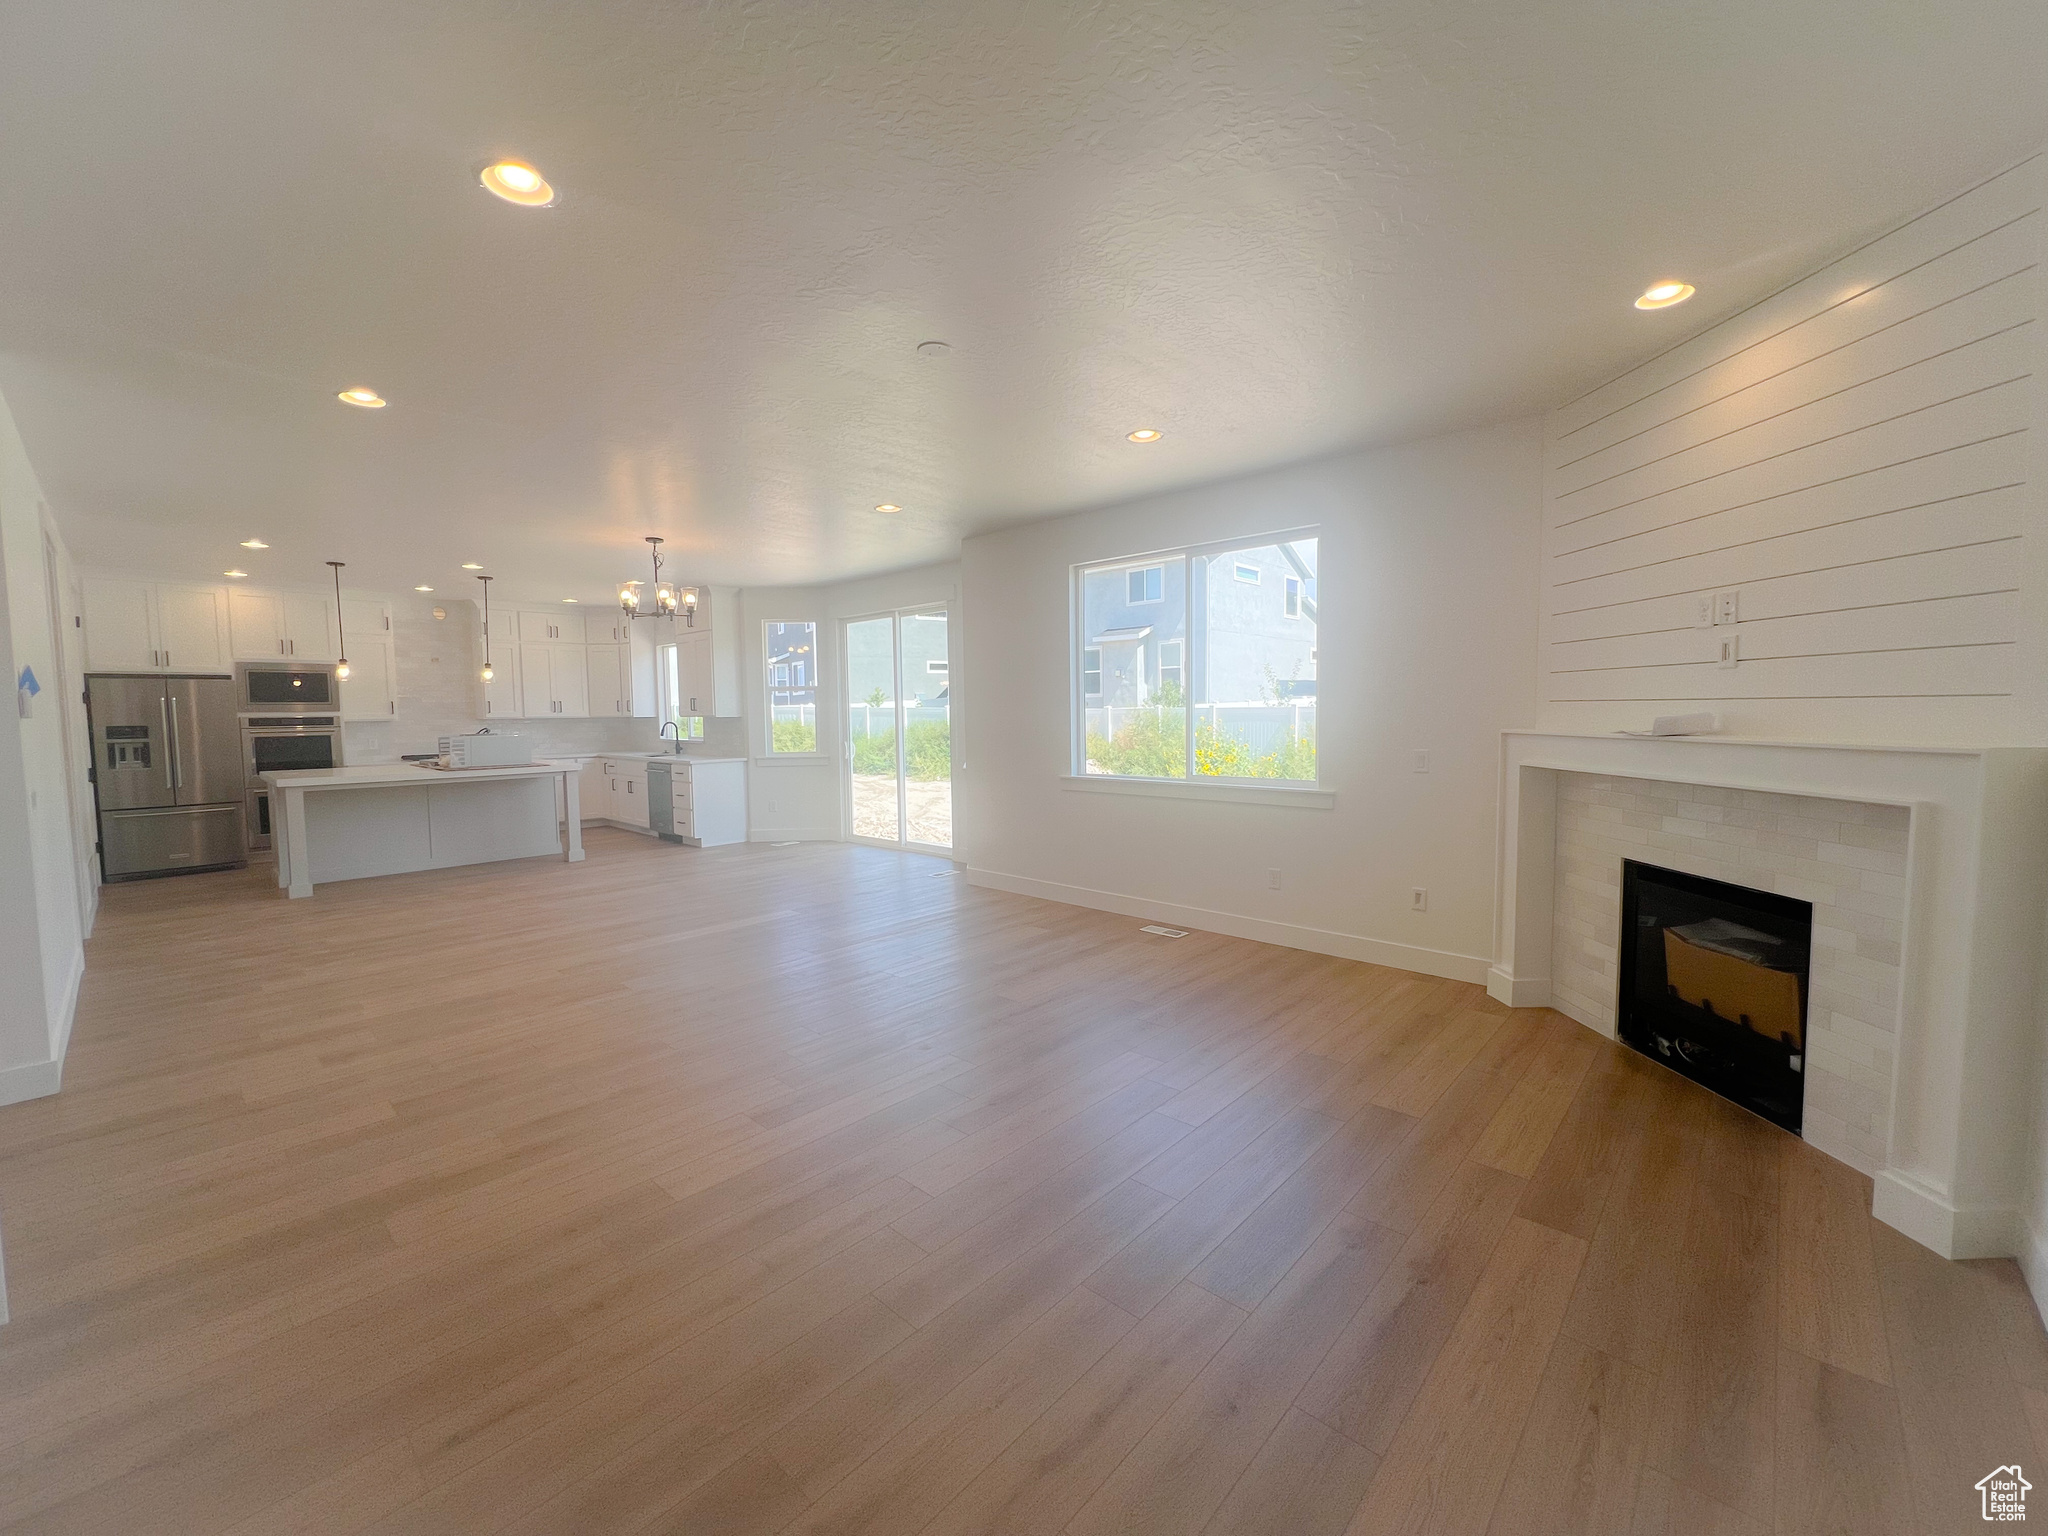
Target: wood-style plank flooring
{"type": "Point", "coordinates": [811, 1190]}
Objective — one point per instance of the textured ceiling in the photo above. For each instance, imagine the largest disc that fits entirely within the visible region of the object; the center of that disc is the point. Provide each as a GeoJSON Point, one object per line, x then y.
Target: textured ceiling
{"type": "Point", "coordinates": [1270, 229]}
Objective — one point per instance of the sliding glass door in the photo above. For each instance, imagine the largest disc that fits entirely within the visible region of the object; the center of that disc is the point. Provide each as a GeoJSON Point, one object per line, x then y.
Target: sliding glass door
{"type": "Point", "coordinates": [899, 730]}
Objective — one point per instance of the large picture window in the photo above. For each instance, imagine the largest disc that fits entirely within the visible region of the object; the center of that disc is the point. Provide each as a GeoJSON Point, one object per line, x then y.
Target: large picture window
{"type": "Point", "coordinates": [792, 667]}
{"type": "Point", "coordinates": [1199, 663]}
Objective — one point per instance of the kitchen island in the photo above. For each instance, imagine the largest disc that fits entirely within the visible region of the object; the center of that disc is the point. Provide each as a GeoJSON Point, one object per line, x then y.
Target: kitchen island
{"type": "Point", "coordinates": [393, 818]}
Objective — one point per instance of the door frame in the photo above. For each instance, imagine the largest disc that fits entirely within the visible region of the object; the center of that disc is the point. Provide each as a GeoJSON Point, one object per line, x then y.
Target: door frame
{"type": "Point", "coordinates": [902, 843]}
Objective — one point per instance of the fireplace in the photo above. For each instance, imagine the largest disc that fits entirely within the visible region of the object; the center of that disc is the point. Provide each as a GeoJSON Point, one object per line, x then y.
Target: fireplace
{"type": "Point", "coordinates": [1714, 985]}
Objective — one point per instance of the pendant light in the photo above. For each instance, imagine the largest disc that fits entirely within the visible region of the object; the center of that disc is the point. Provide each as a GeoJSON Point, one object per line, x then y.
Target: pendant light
{"type": "Point", "coordinates": [489, 671]}
{"type": "Point", "coordinates": [341, 671]}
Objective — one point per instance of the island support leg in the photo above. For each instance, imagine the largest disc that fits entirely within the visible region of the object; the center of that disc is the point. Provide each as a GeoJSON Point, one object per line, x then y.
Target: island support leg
{"type": "Point", "coordinates": [572, 819]}
{"type": "Point", "coordinates": [295, 843]}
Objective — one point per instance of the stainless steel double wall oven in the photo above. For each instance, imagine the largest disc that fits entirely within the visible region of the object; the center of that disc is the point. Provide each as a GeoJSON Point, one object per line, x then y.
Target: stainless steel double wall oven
{"type": "Point", "coordinates": [291, 718]}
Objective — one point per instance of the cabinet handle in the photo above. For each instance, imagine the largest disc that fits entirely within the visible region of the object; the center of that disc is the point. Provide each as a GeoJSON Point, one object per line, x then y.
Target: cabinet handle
{"type": "Point", "coordinates": [167, 658]}
{"type": "Point", "coordinates": [280, 647]}
{"type": "Point", "coordinates": [291, 647]}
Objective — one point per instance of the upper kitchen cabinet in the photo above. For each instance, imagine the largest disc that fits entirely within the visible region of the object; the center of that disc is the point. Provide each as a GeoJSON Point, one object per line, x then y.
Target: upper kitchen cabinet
{"type": "Point", "coordinates": [501, 688]}
{"type": "Point", "coordinates": [547, 628]}
{"type": "Point", "coordinates": [267, 625]}
{"type": "Point", "coordinates": [371, 691]}
{"type": "Point", "coordinates": [611, 679]}
{"type": "Point", "coordinates": [142, 626]}
{"type": "Point", "coordinates": [309, 627]}
{"type": "Point", "coordinates": [607, 628]}
{"type": "Point", "coordinates": [553, 681]}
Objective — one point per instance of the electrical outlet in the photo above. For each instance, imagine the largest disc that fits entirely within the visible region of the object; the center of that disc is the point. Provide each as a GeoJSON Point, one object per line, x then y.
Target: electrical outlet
{"type": "Point", "coordinates": [1731, 651]}
{"type": "Point", "coordinates": [1272, 879]}
{"type": "Point", "coordinates": [1422, 762]}
{"type": "Point", "coordinates": [1727, 607]}
{"type": "Point", "coordinates": [1703, 611]}
{"type": "Point", "coordinates": [1418, 900]}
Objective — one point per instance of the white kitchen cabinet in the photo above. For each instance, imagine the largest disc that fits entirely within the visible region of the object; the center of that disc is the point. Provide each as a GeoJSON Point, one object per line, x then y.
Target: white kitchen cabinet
{"type": "Point", "coordinates": [364, 616]}
{"type": "Point", "coordinates": [272, 626]}
{"type": "Point", "coordinates": [544, 628]}
{"type": "Point", "coordinates": [611, 680]}
{"type": "Point", "coordinates": [371, 692]}
{"type": "Point", "coordinates": [255, 624]}
{"type": "Point", "coordinates": [142, 626]}
{"type": "Point", "coordinates": [606, 629]}
{"type": "Point", "coordinates": [120, 627]}
{"type": "Point", "coordinates": [309, 627]}
{"type": "Point", "coordinates": [192, 624]}
{"type": "Point", "coordinates": [696, 681]}
{"type": "Point", "coordinates": [553, 683]}
{"type": "Point", "coordinates": [501, 689]}
{"type": "Point", "coordinates": [708, 800]}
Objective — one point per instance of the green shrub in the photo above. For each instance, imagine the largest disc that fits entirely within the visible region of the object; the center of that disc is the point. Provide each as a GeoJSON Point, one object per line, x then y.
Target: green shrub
{"type": "Point", "coordinates": [795, 736]}
{"type": "Point", "coordinates": [927, 751]}
{"type": "Point", "coordinates": [1153, 745]}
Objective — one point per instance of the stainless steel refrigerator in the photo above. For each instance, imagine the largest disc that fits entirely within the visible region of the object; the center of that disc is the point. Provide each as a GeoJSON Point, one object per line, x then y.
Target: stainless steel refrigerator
{"type": "Point", "coordinates": [167, 772]}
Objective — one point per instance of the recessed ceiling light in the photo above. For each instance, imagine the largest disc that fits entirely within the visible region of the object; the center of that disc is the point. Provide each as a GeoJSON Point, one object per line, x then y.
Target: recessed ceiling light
{"type": "Point", "coordinates": [570, 599]}
{"type": "Point", "coordinates": [1663, 295]}
{"type": "Point", "coordinates": [423, 589]}
{"type": "Point", "coordinates": [254, 544]}
{"type": "Point", "coordinates": [368, 399]}
{"type": "Point", "coordinates": [888, 506]}
{"type": "Point", "coordinates": [1147, 435]}
{"type": "Point", "coordinates": [517, 182]}
{"type": "Point", "coordinates": [234, 573]}
{"type": "Point", "coordinates": [471, 565]}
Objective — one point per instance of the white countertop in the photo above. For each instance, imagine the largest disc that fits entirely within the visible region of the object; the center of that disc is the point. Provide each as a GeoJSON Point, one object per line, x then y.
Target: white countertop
{"type": "Point", "coordinates": [381, 775]}
{"type": "Point", "coordinates": [668, 757]}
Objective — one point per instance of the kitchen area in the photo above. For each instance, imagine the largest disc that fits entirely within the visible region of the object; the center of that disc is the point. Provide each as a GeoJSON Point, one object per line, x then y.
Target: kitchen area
{"type": "Point", "coordinates": [217, 714]}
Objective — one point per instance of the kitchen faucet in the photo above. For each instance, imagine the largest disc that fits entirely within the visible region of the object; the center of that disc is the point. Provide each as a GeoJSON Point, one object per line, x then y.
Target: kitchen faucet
{"type": "Point", "coordinates": [672, 726]}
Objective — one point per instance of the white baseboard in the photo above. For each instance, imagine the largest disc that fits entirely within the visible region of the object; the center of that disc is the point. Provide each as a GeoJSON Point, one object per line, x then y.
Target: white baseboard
{"type": "Point", "coordinates": [31, 1080]}
{"type": "Point", "coordinates": [1517, 991]}
{"type": "Point", "coordinates": [1916, 1208]}
{"type": "Point", "coordinates": [40, 1079]}
{"type": "Point", "coordinates": [1405, 957]}
{"type": "Point", "coordinates": [793, 835]}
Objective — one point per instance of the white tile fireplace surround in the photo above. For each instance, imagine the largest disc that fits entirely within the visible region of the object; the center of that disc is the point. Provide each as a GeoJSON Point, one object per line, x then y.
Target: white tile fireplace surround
{"type": "Point", "coordinates": [1928, 871]}
{"type": "Point", "coordinates": [1847, 858]}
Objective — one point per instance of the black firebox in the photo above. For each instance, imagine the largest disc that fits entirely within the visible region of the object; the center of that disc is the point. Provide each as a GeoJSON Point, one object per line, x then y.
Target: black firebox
{"type": "Point", "coordinates": [1713, 984]}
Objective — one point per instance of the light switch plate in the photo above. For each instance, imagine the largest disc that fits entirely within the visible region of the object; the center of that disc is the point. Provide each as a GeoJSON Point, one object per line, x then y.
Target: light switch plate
{"type": "Point", "coordinates": [1727, 607]}
{"type": "Point", "coordinates": [1703, 611]}
{"type": "Point", "coordinates": [1731, 651]}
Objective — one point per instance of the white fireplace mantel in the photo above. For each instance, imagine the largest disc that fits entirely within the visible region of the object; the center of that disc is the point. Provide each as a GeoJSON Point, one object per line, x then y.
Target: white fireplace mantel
{"type": "Point", "coordinates": [1953, 1174]}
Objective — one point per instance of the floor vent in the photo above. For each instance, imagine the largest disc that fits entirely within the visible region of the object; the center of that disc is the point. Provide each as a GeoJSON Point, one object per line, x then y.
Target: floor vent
{"type": "Point", "coordinates": [1164, 933]}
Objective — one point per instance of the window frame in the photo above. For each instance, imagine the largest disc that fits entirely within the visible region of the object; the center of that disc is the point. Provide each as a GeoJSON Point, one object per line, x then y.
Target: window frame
{"type": "Point", "coordinates": [1193, 641]}
{"type": "Point", "coordinates": [1237, 573]}
{"type": "Point", "coordinates": [1290, 597]}
{"type": "Point", "coordinates": [1150, 568]}
{"type": "Point", "coordinates": [1088, 671]}
{"type": "Point", "coordinates": [769, 686]}
{"type": "Point", "coordinates": [1179, 665]}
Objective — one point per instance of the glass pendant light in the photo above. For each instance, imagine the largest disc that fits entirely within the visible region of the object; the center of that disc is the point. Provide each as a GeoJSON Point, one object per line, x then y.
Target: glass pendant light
{"type": "Point", "coordinates": [489, 671]}
{"type": "Point", "coordinates": [341, 670]}
{"type": "Point", "coordinates": [666, 597]}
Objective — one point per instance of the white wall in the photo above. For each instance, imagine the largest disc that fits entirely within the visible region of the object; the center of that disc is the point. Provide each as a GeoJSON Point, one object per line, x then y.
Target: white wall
{"type": "Point", "coordinates": [46, 892]}
{"type": "Point", "coordinates": [1859, 456]}
{"type": "Point", "coordinates": [802, 798]}
{"type": "Point", "coordinates": [1427, 591]}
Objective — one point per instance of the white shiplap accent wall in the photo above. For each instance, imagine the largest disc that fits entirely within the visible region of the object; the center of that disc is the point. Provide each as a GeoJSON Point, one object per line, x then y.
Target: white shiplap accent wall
{"type": "Point", "coordinates": [1857, 457]}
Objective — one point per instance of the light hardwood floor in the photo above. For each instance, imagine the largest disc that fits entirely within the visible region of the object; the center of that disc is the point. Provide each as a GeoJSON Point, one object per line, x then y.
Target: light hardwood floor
{"type": "Point", "coordinates": [812, 1190]}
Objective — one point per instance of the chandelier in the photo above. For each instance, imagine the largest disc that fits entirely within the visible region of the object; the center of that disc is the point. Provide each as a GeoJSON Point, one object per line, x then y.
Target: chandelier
{"type": "Point", "coordinates": [668, 598]}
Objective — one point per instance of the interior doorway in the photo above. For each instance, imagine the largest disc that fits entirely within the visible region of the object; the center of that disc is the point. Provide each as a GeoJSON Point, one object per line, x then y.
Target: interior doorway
{"type": "Point", "coordinates": [898, 760]}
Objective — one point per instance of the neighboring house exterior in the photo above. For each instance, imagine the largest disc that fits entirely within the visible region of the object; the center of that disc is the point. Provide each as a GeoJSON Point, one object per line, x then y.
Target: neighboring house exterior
{"type": "Point", "coordinates": [1256, 642]}
{"type": "Point", "coordinates": [792, 667]}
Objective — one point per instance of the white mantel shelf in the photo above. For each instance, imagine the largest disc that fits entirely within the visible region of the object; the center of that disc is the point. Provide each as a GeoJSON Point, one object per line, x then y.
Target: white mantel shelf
{"type": "Point", "coordinates": [395, 818]}
{"type": "Point", "coordinates": [1953, 1172]}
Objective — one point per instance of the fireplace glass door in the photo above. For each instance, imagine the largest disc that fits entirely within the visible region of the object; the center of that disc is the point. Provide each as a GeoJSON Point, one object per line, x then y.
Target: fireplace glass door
{"type": "Point", "coordinates": [1713, 984]}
